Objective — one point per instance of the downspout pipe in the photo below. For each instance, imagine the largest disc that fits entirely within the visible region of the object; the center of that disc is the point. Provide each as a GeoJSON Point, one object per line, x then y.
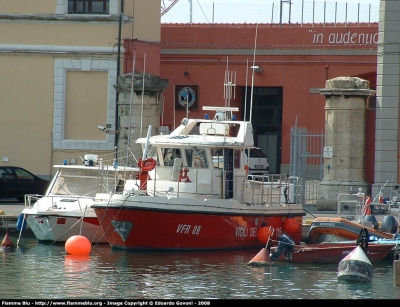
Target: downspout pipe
{"type": "Point", "coordinates": [118, 73]}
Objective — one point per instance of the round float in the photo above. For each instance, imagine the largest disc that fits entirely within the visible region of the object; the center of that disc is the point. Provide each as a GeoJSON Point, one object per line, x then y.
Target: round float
{"type": "Point", "coordinates": [78, 246]}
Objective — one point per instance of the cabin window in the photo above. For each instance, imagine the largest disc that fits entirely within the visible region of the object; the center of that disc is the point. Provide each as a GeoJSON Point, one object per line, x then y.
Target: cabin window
{"type": "Point", "coordinates": [170, 154]}
{"type": "Point", "coordinates": [236, 161]}
{"type": "Point", "coordinates": [88, 7]}
{"type": "Point", "coordinates": [198, 158]}
{"type": "Point", "coordinates": [217, 157]}
{"type": "Point", "coordinates": [189, 157]}
{"type": "Point", "coordinates": [152, 153]}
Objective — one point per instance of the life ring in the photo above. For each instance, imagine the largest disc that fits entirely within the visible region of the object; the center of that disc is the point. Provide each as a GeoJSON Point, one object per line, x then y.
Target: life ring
{"type": "Point", "coordinates": [198, 162]}
{"type": "Point", "coordinates": [147, 165]}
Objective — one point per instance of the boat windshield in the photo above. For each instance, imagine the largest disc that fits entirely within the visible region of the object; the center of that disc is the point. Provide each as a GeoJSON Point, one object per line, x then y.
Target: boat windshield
{"type": "Point", "coordinates": [152, 153]}
{"type": "Point", "coordinates": [85, 182]}
{"type": "Point", "coordinates": [196, 157]}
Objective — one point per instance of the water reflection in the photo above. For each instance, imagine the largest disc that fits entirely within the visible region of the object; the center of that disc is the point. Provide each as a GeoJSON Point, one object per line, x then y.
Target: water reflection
{"type": "Point", "coordinates": [45, 271]}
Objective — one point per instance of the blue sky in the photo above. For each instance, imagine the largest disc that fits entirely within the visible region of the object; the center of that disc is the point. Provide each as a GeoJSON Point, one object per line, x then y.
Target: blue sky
{"type": "Point", "coordinates": [267, 11]}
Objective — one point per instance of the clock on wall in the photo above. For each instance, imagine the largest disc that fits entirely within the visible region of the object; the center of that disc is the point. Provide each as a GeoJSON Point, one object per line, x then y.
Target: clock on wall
{"type": "Point", "coordinates": [186, 96]}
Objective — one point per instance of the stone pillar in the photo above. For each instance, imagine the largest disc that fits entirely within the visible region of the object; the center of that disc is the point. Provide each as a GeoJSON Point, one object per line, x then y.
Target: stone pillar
{"type": "Point", "coordinates": [136, 113]}
{"type": "Point", "coordinates": [344, 151]}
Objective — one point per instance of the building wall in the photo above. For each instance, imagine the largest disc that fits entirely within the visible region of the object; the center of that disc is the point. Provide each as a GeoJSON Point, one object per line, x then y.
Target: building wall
{"type": "Point", "coordinates": [36, 69]}
{"type": "Point", "coordinates": [387, 108]}
{"type": "Point", "coordinates": [298, 59]}
{"type": "Point", "coordinates": [58, 75]}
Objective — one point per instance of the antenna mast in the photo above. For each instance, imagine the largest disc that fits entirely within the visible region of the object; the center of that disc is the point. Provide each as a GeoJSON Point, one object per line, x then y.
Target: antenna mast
{"type": "Point", "coordinates": [229, 85]}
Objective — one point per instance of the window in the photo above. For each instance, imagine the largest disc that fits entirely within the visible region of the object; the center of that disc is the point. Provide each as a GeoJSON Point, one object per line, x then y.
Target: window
{"type": "Point", "coordinates": [152, 153]}
{"type": "Point", "coordinates": [170, 154]}
{"type": "Point", "coordinates": [237, 154]}
{"type": "Point", "coordinates": [23, 175]}
{"type": "Point", "coordinates": [217, 157]}
{"type": "Point", "coordinates": [200, 158]}
{"type": "Point", "coordinates": [88, 7]}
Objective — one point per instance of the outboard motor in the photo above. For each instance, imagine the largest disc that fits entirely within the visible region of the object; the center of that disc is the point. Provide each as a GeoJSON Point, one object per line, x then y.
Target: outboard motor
{"type": "Point", "coordinates": [363, 239]}
{"type": "Point", "coordinates": [389, 224]}
{"type": "Point", "coordinates": [285, 245]}
{"type": "Point", "coordinates": [372, 219]}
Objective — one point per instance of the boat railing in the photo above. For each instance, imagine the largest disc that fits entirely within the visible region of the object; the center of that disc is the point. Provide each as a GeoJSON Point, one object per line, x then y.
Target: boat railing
{"type": "Point", "coordinates": [274, 189]}
{"type": "Point", "coordinates": [218, 184]}
{"type": "Point", "coordinates": [30, 199]}
{"type": "Point", "coordinates": [349, 206]}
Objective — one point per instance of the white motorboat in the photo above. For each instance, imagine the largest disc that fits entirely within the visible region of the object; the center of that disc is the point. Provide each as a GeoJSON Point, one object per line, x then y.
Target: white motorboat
{"type": "Point", "coordinates": [65, 210]}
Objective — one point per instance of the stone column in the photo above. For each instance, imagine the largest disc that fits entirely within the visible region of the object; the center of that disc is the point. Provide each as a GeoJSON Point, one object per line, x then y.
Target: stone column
{"type": "Point", "coordinates": [136, 113]}
{"type": "Point", "coordinates": [344, 151]}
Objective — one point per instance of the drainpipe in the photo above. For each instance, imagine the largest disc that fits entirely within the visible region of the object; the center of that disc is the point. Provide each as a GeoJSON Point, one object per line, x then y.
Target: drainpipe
{"type": "Point", "coordinates": [118, 73]}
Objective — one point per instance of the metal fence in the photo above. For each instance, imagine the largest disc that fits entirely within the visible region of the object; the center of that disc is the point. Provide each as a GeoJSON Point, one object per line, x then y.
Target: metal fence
{"type": "Point", "coordinates": [279, 12]}
{"type": "Point", "coordinates": [306, 161]}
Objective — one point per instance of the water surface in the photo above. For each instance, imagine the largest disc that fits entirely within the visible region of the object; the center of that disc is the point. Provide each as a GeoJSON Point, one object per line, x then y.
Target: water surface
{"type": "Point", "coordinates": [36, 271]}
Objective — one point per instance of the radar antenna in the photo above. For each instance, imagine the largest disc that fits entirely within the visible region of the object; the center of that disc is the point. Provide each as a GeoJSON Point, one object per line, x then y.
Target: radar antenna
{"type": "Point", "coordinates": [166, 7]}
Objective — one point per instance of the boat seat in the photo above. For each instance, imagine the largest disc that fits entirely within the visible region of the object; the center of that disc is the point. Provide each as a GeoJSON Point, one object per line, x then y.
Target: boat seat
{"type": "Point", "coordinates": [176, 169]}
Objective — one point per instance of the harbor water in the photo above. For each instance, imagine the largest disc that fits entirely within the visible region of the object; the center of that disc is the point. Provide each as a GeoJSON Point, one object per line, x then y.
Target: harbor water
{"type": "Point", "coordinates": [39, 271]}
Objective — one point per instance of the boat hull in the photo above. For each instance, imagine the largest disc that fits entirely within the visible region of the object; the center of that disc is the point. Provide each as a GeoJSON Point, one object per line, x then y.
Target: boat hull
{"type": "Point", "coordinates": [59, 228]}
{"type": "Point", "coordinates": [333, 252]}
{"type": "Point", "coordinates": [324, 229]}
{"type": "Point", "coordinates": [150, 226]}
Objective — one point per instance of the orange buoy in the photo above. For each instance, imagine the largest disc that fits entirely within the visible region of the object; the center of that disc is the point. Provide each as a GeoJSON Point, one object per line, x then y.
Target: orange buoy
{"type": "Point", "coordinates": [264, 233]}
{"type": "Point", "coordinates": [78, 245]}
{"type": "Point", "coordinates": [291, 225]}
{"type": "Point", "coordinates": [261, 259]}
{"type": "Point", "coordinates": [7, 243]}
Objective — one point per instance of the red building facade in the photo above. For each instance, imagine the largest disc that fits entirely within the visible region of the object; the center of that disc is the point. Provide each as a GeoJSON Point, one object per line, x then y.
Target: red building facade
{"type": "Point", "coordinates": [290, 65]}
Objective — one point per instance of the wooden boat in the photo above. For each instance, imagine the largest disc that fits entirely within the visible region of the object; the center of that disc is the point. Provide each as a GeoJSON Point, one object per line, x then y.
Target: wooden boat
{"type": "Point", "coordinates": [193, 192]}
{"type": "Point", "coordinates": [336, 229]}
{"type": "Point", "coordinates": [355, 267]}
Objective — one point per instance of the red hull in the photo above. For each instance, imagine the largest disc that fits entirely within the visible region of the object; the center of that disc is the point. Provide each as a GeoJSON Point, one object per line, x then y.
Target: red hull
{"type": "Point", "coordinates": [138, 229]}
{"type": "Point", "coordinates": [333, 252]}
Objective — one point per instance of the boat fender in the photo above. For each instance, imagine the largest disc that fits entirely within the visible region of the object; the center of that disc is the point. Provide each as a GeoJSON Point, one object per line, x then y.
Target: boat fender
{"type": "Point", "coordinates": [285, 246]}
{"type": "Point", "coordinates": [21, 222]}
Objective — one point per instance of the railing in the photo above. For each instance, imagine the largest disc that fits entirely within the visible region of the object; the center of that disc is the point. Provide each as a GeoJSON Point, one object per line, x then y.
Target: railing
{"type": "Point", "coordinates": [350, 206]}
{"type": "Point", "coordinates": [275, 188]}
{"type": "Point", "coordinates": [280, 13]}
{"type": "Point", "coordinates": [203, 184]}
